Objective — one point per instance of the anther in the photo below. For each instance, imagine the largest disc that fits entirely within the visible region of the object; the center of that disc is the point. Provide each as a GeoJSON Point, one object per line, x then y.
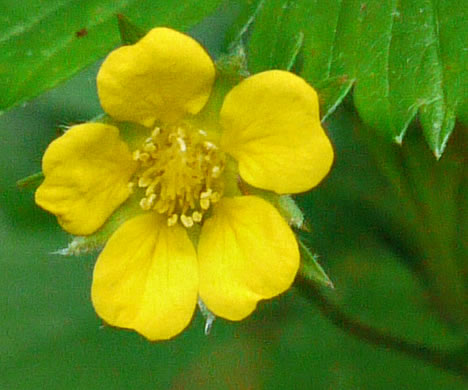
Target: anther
{"type": "Point", "coordinates": [131, 186]}
{"type": "Point", "coordinates": [145, 204]}
{"type": "Point", "coordinates": [186, 221]}
{"type": "Point", "coordinates": [144, 181]}
{"type": "Point", "coordinates": [205, 203]}
{"type": "Point", "coordinates": [197, 216]}
{"type": "Point", "coordinates": [150, 188]}
{"type": "Point", "coordinates": [206, 194]}
{"type": "Point", "coordinates": [151, 199]}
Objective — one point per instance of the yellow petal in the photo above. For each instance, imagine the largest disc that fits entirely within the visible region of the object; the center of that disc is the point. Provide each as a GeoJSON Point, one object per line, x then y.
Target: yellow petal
{"type": "Point", "coordinates": [246, 253]}
{"type": "Point", "coordinates": [86, 175]}
{"type": "Point", "coordinates": [272, 127]}
{"type": "Point", "coordinates": [146, 278]}
{"type": "Point", "coordinates": [163, 76]}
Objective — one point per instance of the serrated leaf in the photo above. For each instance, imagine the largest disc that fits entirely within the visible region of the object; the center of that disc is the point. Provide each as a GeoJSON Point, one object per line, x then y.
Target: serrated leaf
{"type": "Point", "coordinates": [241, 26]}
{"type": "Point", "coordinates": [332, 92]}
{"type": "Point", "coordinates": [45, 42]}
{"type": "Point", "coordinates": [130, 33]}
{"type": "Point", "coordinates": [404, 57]}
{"type": "Point", "coordinates": [310, 267]}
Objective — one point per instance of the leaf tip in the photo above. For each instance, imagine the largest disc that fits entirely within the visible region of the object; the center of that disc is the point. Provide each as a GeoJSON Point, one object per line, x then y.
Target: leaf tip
{"type": "Point", "coordinates": [130, 33]}
{"type": "Point", "coordinates": [399, 139]}
{"type": "Point", "coordinates": [30, 182]}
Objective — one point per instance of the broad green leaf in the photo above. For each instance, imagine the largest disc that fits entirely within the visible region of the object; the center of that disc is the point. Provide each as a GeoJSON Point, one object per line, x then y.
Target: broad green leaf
{"type": "Point", "coordinates": [45, 42]}
{"type": "Point", "coordinates": [404, 57]}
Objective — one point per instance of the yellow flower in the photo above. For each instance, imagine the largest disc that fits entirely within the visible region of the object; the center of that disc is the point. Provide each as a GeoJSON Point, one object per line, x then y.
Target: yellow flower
{"type": "Point", "coordinates": [198, 234]}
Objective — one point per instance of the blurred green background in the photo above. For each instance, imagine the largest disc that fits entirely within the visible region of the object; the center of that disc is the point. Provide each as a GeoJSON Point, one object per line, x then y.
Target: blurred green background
{"type": "Point", "coordinates": [389, 224]}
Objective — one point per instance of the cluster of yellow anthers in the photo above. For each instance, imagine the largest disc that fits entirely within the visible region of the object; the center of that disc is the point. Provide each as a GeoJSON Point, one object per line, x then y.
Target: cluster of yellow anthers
{"type": "Point", "coordinates": [187, 172]}
{"type": "Point", "coordinates": [180, 171]}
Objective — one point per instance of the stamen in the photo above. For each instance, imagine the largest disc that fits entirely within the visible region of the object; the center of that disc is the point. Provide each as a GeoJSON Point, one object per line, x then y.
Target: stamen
{"type": "Point", "coordinates": [151, 199]}
{"type": "Point", "coordinates": [180, 170]}
{"type": "Point", "coordinates": [186, 221]}
{"type": "Point", "coordinates": [145, 204]}
{"type": "Point", "coordinates": [197, 216]}
{"type": "Point", "coordinates": [205, 204]}
{"type": "Point", "coordinates": [144, 181]}
{"type": "Point", "coordinates": [150, 189]}
{"type": "Point", "coordinates": [206, 194]}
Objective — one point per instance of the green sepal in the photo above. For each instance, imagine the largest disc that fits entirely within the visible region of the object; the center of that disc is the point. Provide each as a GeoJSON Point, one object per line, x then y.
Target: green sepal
{"type": "Point", "coordinates": [130, 33]}
{"type": "Point", "coordinates": [310, 267]}
{"type": "Point", "coordinates": [234, 64]}
{"type": "Point", "coordinates": [290, 211]}
{"type": "Point", "coordinates": [208, 315]}
{"type": "Point", "coordinates": [31, 182]}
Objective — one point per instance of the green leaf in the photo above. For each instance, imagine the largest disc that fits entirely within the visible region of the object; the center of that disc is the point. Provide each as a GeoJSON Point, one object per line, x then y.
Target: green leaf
{"type": "Point", "coordinates": [243, 22]}
{"type": "Point", "coordinates": [332, 92]}
{"type": "Point", "coordinates": [130, 33]}
{"type": "Point", "coordinates": [45, 42]}
{"type": "Point", "coordinates": [310, 267]}
{"type": "Point", "coordinates": [403, 57]}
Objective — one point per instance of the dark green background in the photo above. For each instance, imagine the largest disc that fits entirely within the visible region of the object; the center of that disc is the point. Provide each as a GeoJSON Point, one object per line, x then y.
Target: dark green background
{"type": "Point", "coordinates": [50, 337]}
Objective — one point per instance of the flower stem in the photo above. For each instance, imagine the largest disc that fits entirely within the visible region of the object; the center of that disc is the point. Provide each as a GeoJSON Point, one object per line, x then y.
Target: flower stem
{"type": "Point", "coordinates": [452, 361]}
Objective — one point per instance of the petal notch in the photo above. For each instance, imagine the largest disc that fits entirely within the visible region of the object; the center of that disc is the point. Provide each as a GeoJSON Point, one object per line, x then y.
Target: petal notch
{"type": "Point", "coordinates": [246, 253]}
{"type": "Point", "coordinates": [86, 175]}
{"type": "Point", "coordinates": [272, 127]}
{"type": "Point", "coordinates": [164, 76]}
{"type": "Point", "coordinates": [146, 278]}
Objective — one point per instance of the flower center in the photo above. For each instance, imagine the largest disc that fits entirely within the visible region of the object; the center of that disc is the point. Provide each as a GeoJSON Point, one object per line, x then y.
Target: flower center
{"type": "Point", "coordinates": [180, 172]}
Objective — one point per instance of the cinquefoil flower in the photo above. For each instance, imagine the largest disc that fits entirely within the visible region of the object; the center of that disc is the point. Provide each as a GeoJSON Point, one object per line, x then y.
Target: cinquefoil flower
{"type": "Point", "coordinates": [198, 234]}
